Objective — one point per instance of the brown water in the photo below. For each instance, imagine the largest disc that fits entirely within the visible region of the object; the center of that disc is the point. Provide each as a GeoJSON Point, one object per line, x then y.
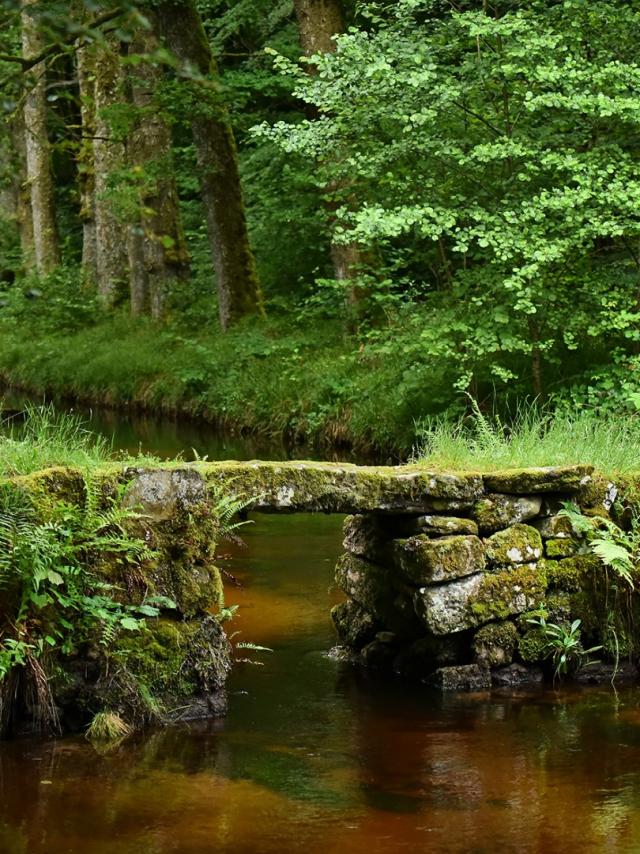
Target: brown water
{"type": "Point", "coordinates": [317, 757]}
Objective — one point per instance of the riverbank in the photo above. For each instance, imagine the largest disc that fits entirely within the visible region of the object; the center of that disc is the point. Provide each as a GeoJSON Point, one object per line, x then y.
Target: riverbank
{"type": "Point", "coordinates": [259, 378]}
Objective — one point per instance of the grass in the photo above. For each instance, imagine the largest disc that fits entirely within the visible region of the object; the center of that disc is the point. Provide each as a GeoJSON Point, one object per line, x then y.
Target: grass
{"type": "Point", "coordinates": [43, 437]}
{"type": "Point", "coordinates": [534, 437]}
{"type": "Point", "coordinates": [107, 727]}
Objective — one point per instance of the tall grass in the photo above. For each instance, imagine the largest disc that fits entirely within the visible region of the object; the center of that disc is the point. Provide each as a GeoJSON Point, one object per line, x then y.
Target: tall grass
{"type": "Point", "coordinates": [42, 437]}
{"type": "Point", "coordinates": [534, 436]}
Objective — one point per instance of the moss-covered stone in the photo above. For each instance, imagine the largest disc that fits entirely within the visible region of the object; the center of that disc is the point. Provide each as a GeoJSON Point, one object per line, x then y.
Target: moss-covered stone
{"type": "Point", "coordinates": [354, 625]}
{"type": "Point", "coordinates": [515, 545]}
{"type": "Point", "coordinates": [425, 561]}
{"type": "Point", "coordinates": [438, 526]}
{"type": "Point", "coordinates": [446, 608]}
{"type": "Point", "coordinates": [495, 512]}
{"type": "Point", "coordinates": [553, 527]}
{"type": "Point", "coordinates": [562, 547]}
{"type": "Point", "coordinates": [369, 584]}
{"type": "Point", "coordinates": [508, 592]}
{"type": "Point", "coordinates": [465, 677]}
{"type": "Point", "coordinates": [180, 666]}
{"type": "Point", "coordinates": [572, 574]}
{"type": "Point", "coordinates": [343, 488]}
{"type": "Point", "coordinates": [494, 644]}
{"type": "Point", "coordinates": [368, 536]}
{"type": "Point", "coordinates": [533, 646]}
{"type": "Point", "coordinates": [528, 481]}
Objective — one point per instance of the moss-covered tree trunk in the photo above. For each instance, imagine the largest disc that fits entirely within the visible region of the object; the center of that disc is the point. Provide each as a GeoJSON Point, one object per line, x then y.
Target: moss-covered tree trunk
{"type": "Point", "coordinates": [86, 169]}
{"type": "Point", "coordinates": [236, 277]}
{"type": "Point", "coordinates": [319, 21]}
{"type": "Point", "coordinates": [37, 148]}
{"type": "Point", "coordinates": [158, 255]}
{"type": "Point", "coordinates": [20, 189]}
{"type": "Point", "coordinates": [108, 157]}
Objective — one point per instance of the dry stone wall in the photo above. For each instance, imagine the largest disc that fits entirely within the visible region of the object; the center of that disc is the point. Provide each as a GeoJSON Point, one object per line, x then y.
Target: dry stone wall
{"type": "Point", "coordinates": [448, 596]}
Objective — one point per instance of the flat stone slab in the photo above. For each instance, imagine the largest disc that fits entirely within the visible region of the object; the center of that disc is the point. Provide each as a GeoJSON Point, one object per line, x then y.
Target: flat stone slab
{"type": "Point", "coordinates": [538, 480]}
{"type": "Point", "coordinates": [343, 488]}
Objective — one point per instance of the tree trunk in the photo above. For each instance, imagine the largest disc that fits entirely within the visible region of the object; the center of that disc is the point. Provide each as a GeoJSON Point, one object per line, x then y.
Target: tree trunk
{"type": "Point", "coordinates": [158, 255]}
{"type": "Point", "coordinates": [37, 150]}
{"type": "Point", "coordinates": [236, 277]}
{"type": "Point", "coordinates": [86, 168]}
{"type": "Point", "coordinates": [108, 156]}
{"type": "Point", "coordinates": [21, 191]}
{"type": "Point", "coordinates": [318, 22]}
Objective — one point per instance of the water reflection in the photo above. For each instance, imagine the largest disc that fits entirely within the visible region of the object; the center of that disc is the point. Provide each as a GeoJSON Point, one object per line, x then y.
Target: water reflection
{"type": "Point", "coordinates": [317, 757]}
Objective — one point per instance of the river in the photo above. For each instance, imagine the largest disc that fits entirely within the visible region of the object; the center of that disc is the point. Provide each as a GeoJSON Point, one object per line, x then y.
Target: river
{"type": "Point", "coordinates": [315, 756]}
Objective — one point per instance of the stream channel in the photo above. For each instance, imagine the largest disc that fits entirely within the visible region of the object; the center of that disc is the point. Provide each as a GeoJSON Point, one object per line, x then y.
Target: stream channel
{"type": "Point", "coordinates": [315, 756]}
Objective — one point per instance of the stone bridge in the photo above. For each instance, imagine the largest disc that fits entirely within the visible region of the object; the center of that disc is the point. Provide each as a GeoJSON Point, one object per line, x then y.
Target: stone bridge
{"type": "Point", "coordinates": [440, 569]}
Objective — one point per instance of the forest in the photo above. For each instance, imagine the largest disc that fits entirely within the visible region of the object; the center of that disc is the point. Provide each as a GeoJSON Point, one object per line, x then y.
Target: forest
{"type": "Point", "coordinates": [331, 221]}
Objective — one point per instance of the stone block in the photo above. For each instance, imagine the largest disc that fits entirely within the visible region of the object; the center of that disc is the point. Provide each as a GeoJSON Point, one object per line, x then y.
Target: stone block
{"type": "Point", "coordinates": [465, 677]}
{"type": "Point", "coordinates": [435, 526]}
{"type": "Point", "coordinates": [494, 644]}
{"type": "Point", "coordinates": [515, 545]}
{"type": "Point", "coordinates": [425, 561]}
{"type": "Point", "coordinates": [495, 512]}
{"type": "Point", "coordinates": [539, 480]}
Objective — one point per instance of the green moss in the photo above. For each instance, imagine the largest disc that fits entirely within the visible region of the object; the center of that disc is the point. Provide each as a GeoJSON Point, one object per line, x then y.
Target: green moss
{"type": "Point", "coordinates": [509, 591]}
{"type": "Point", "coordinates": [426, 561]}
{"type": "Point", "coordinates": [493, 644]}
{"type": "Point", "coordinates": [343, 488]}
{"type": "Point", "coordinates": [562, 547]}
{"type": "Point", "coordinates": [515, 545]}
{"type": "Point", "coordinates": [165, 665]}
{"type": "Point", "coordinates": [536, 480]}
{"type": "Point", "coordinates": [533, 646]}
{"type": "Point", "coordinates": [572, 574]}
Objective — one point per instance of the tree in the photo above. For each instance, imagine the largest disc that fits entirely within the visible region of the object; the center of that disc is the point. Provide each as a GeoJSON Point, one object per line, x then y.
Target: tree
{"type": "Point", "coordinates": [108, 157]}
{"type": "Point", "coordinates": [239, 294]}
{"type": "Point", "coordinates": [319, 21]}
{"type": "Point", "coordinates": [158, 255]}
{"type": "Point", "coordinates": [37, 148]}
{"type": "Point", "coordinates": [86, 166]}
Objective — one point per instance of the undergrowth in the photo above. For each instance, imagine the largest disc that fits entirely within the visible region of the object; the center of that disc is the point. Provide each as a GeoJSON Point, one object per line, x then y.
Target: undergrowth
{"type": "Point", "coordinates": [534, 436]}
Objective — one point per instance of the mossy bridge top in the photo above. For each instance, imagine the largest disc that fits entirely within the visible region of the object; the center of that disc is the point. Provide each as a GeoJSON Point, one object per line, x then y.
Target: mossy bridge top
{"type": "Point", "coordinates": [294, 486]}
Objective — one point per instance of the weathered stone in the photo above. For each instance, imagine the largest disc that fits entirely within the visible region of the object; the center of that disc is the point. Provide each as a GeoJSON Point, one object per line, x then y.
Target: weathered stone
{"type": "Point", "coordinates": [507, 592]}
{"type": "Point", "coordinates": [560, 547]}
{"type": "Point", "coordinates": [515, 545]}
{"type": "Point", "coordinates": [342, 487]}
{"type": "Point", "coordinates": [367, 536]}
{"type": "Point", "coordinates": [354, 626]}
{"type": "Point", "coordinates": [553, 527]}
{"type": "Point", "coordinates": [367, 583]}
{"type": "Point", "coordinates": [516, 676]}
{"type": "Point", "coordinates": [494, 644]}
{"type": "Point", "coordinates": [446, 608]}
{"type": "Point", "coordinates": [465, 677]}
{"type": "Point", "coordinates": [495, 512]}
{"type": "Point", "coordinates": [446, 525]}
{"type": "Point", "coordinates": [542, 479]}
{"type": "Point", "coordinates": [425, 561]}
{"type": "Point", "coordinates": [161, 494]}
